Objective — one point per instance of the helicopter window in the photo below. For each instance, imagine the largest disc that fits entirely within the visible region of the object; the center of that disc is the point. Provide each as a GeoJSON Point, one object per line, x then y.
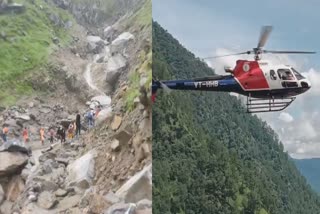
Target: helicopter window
{"type": "Point", "coordinates": [273, 75]}
{"type": "Point", "coordinates": [297, 74]}
{"type": "Point", "coordinates": [285, 74]}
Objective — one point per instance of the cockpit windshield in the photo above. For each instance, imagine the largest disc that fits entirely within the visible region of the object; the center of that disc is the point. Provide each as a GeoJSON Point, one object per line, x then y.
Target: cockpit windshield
{"type": "Point", "coordinates": [285, 74]}
{"type": "Point", "coordinates": [297, 74]}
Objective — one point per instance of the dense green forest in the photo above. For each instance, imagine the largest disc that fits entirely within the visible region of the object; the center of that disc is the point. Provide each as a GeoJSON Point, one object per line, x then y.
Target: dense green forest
{"type": "Point", "coordinates": [211, 157]}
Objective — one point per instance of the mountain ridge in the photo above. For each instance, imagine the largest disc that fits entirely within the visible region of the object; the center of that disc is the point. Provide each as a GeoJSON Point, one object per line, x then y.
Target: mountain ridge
{"type": "Point", "coordinates": [310, 168]}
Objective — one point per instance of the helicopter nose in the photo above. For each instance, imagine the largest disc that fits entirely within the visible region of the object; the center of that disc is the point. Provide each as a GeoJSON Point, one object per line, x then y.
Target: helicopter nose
{"type": "Point", "coordinates": [306, 84]}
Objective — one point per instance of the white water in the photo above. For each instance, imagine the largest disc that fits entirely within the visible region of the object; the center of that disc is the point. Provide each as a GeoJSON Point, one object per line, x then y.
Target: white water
{"type": "Point", "coordinates": [88, 77]}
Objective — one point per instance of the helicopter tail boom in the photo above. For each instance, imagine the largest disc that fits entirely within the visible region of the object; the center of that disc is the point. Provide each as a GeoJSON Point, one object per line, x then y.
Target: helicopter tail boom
{"type": "Point", "coordinates": [215, 83]}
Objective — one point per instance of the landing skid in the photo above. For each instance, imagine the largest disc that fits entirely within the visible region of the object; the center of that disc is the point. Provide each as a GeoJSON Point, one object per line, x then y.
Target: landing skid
{"type": "Point", "coordinates": [259, 105]}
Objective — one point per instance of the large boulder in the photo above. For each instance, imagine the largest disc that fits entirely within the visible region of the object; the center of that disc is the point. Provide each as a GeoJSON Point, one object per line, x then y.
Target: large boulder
{"type": "Point", "coordinates": [16, 146]}
{"type": "Point", "coordinates": [123, 136]}
{"type": "Point", "coordinates": [11, 123]}
{"type": "Point", "coordinates": [95, 44]}
{"type": "Point", "coordinates": [112, 198]}
{"type": "Point", "coordinates": [116, 123]}
{"type": "Point", "coordinates": [138, 187]}
{"type": "Point", "coordinates": [24, 117]}
{"type": "Point", "coordinates": [46, 183]}
{"type": "Point", "coordinates": [116, 64]}
{"type": "Point", "coordinates": [119, 44]}
{"type": "Point", "coordinates": [12, 162]}
{"type": "Point", "coordinates": [61, 193]}
{"type": "Point", "coordinates": [68, 202]}
{"type": "Point", "coordinates": [94, 39]}
{"type": "Point", "coordinates": [104, 115]}
{"type": "Point", "coordinates": [6, 207]}
{"type": "Point", "coordinates": [81, 172]}
{"type": "Point", "coordinates": [33, 208]}
{"type": "Point", "coordinates": [107, 32]}
{"type": "Point", "coordinates": [15, 188]}
{"type": "Point", "coordinates": [103, 100]}
{"type": "Point", "coordinates": [95, 202]}
{"type": "Point", "coordinates": [144, 204]}
{"type": "Point", "coordinates": [47, 200]}
{"type": "Point", "coordinates": [120, 208]}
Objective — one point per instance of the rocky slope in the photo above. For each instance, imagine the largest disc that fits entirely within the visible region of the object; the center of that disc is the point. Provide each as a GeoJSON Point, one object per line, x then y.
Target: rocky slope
{"type": "Point", "coordinates": [108, 168]}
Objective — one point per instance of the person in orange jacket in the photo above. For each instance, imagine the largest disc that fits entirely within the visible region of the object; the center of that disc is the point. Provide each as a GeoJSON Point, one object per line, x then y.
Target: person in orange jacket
{"type": "Point", "coordinates": [5, 131]}
{"type": "Point", "coordinates": [42, 135]}
{"type": "Point", "coordinates": [71, 131]}
{"type": "Point", "coordinates": [25, 135]}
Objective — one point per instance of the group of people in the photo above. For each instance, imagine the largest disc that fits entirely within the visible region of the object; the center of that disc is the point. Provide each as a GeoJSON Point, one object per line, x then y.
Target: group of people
{"type": "Point", "coordinates": [71, 131]}
{"type": "Point", "coordinates": [61, 133]}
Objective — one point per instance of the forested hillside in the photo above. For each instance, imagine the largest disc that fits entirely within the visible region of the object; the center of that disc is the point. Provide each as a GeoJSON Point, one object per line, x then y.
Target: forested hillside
{"type": "Point", "coordinates": [211, 157]}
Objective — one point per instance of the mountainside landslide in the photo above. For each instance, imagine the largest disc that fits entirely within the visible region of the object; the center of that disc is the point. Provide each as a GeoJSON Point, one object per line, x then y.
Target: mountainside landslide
{"type": "Point", "coordinates": [60, 58]}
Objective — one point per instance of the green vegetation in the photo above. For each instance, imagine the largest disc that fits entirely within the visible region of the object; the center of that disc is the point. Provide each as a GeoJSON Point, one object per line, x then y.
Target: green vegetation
{"type": "Point", "coordinates": [133, 90]}
{"type": "Point", "coordinates": [134, 79]}
{"type": "Point", "coordinates": [208, 156]}
{"type": "Point", "coordinates": [141, 21]}
{"type": "Point", "coordinates": [143, 17]}
{"type": "Point", "coordinates": [25, 44]}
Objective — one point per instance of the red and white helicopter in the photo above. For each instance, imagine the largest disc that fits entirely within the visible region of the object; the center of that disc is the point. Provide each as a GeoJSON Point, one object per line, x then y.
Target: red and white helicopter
{"type": "Point", "coordinates": [268, 87]}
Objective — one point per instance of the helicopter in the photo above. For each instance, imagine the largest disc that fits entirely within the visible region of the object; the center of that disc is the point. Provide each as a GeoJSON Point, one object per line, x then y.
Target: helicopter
{"type": "Point", "coordinates": [268, 87]}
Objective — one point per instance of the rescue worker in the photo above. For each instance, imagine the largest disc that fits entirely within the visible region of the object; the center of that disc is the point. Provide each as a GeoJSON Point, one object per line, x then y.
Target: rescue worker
{"type": "Point", "coordinates": [5, 131]}
{"type": "Point", "coordinates": [25, 135]}
{"type": "Point", "coordinates": [70, 131]}
{"type": "Point", "coordinates": [78, 124]}
{"type": "Point", "coordinates": [62, 134]}
{"type": "Point", "coordinates": [51, 134]}
{"type": "Point", "coordinates": [98, 109]}
{"type": "Point", "coordinates": [90, 116]}
{"type": "Point", "coordinates": [42, 135]}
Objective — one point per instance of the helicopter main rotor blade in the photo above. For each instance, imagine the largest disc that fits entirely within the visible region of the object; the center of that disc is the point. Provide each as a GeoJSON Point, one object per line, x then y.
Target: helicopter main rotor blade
{"type": "Point", "coordinates": [289, 52]}
{"type": "Point", "coordinates": [235, 54]}
{"type": "Point", "coordinates": [264, 35]}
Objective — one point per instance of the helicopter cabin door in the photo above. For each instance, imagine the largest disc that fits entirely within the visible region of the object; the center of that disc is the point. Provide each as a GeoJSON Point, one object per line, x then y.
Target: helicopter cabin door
{"type": "Point", "coordinates": [287, 78]}
{"type": "Point", "coordinates": [272, 78]}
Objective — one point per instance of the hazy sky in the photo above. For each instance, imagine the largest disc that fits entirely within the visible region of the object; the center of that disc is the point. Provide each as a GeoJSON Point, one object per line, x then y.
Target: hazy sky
{"type": "Point", "coordinates": [208, 27]}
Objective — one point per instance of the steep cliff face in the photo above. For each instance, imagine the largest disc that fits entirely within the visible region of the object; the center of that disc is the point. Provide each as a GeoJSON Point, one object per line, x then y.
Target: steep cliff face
{"type": "Point", "coordinates": [99, 12]}
{"type": "Point", "coordinates": [209, 156]}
